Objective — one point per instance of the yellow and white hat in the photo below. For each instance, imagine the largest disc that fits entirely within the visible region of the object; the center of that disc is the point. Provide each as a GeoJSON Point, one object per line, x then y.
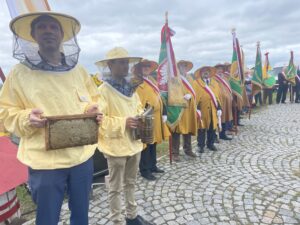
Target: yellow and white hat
{"type": "Point", "coordinates": [117, 53]}
{"type": "Point", "coordinates": [21, 25]}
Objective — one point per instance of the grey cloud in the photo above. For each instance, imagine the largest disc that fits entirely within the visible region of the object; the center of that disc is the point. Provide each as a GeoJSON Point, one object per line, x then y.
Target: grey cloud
{"type": "Point", "coordinates": [203, 28]}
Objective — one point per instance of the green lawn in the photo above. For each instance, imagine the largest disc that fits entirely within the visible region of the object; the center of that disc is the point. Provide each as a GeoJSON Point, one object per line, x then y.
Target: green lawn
{"type": "Point", "coordinates": [27, 206]}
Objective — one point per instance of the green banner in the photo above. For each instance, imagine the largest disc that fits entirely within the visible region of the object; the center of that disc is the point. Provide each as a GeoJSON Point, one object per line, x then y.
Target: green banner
{"type": "Point", "coordinates": [174, 112]}
{"type": "Point", "coordinates": [291, 70]}
{"type": "Point", "coordinates": [257, 80]}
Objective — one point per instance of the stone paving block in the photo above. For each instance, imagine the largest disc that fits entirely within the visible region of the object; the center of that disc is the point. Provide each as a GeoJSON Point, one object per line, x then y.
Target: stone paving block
{"type": "Point", "coordinates": [249, 180]}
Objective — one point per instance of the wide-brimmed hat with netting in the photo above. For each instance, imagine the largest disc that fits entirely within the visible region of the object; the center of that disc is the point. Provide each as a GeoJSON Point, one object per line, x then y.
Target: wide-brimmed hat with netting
{"type": "Point", "coordinates": [132, 79]}
{"type": "Point", "coordinates": [117, 53]}
{"type": "Point", "coordinates": [21, 25]}
{"type": "Point", "coordinates": [27, 50]}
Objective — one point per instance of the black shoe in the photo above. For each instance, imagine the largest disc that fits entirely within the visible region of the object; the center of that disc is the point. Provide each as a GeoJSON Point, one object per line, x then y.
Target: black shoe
{"type": "Point", "coordinates": [148, 176]}
{"type": "Point", "coordinates": [200, 149]}
{"type": "Point", "coordinates": [190, 153]}
{"type": "Point", "coordinates": [241, 125]}
{"type": "Point", "coordinates": [225, 137]}
{"type": "Point", "coordinates": [157, 170]}
{"type": "Point", "coordinates": [143, 221]}
{"type": "Point", "coordinates": [137, 221]}
{"type": "Point", "coordinates": [283, 103]}
{"type": "Point", "coordinates": [212, 148]}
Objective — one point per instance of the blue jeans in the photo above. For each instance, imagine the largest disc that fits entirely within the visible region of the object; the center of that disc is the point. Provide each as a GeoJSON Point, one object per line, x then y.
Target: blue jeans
{"type": "Point", "coordinates": [49, 186]}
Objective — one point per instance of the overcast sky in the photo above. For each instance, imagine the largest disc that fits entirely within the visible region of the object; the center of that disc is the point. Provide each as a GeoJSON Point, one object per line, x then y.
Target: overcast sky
{"type": "Point", "coordinates": [203, 29]}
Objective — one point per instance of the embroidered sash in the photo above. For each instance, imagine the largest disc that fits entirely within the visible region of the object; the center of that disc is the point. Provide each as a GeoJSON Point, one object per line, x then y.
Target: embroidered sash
{"type": "Point", "coordinates": [187, 84]}
{"type": "Point", "coordinates": [210, 93]}
{"type": "Point", "coordinates": [224, 83]}
{"type": "Point", "coordinates": [148, 81]}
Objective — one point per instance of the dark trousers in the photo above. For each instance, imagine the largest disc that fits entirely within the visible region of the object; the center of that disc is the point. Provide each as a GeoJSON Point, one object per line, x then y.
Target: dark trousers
{"type": "Point", "coordinates": [297, 93]}
{"type": "Point", "coordinates": [239, 117]}
{"type": "Point", "coordinates": [211, 136]}
{"type": "Point", "coordinates": [258, 99]}
{"type": "Point", "coordinates": [236, 117]}
{"type": "Point", "coordinates": [49, 186]}
{"type": "Point", "coordinates": [250, 99]}
{"type": "Point", "coordinates": [148, 159]}
{"type": "Point", "coordinates": [187, 143]}
{"type": "Point", "coordinates": [268, 94]}
{"type": "Point", "coordinates": [281, 93]}
{"type": "Point", "coordinates": [225, 127]}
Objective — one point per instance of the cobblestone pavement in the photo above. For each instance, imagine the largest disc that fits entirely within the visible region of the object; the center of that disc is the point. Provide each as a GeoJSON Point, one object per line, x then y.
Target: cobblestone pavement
{"type": "Point", "coordinates": [253, 179]}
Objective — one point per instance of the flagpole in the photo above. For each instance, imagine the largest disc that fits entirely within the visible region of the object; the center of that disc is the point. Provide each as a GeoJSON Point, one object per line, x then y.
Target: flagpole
{"type": "Point", "coordinates": [267, 58]}
{"type": "Point", "coordinates": [235, 96]}
{"type": "Point", "coordinates": [245, 101]}
{"type": "Point", "coordinates": [166, 17]}
{"type": "Point", "coordinates": [250, 111]}
{"type": "Point", "coordinates": [267, 68]}
{"type": "Point", "coordinates": [250, 105]}
{"type": "Point", "coordinates": [236, 115]}
{"type": "Point", "coordinates": [2, 77]}
{"type": "Point", "coordinates": [292, 87]}
{"type": "Point", "coordinates": [170, 138]}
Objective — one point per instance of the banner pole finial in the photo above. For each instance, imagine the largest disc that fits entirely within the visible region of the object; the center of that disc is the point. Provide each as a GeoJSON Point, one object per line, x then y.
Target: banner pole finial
{"type": "Point", "coordinates": [166, 16]}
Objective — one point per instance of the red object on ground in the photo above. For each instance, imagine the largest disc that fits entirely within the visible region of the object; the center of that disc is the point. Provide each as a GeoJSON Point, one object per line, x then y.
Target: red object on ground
{"type": "Point", "coordinates": [13, 172]}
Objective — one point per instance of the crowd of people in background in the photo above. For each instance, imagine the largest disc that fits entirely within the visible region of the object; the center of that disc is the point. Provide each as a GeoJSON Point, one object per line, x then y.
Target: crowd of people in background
{"type": "Point", "coordinates": [278, 93]}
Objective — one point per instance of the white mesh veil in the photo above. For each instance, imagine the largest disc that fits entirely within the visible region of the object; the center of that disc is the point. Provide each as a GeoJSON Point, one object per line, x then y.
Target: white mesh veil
{"type": "Point", "coordinates": [26, 50]}
{"type": "Point", "coordinates": [133, 77]}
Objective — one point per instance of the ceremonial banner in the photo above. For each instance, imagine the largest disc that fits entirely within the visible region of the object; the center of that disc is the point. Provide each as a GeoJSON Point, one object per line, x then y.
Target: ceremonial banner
{"type": "Point", "coordinates": [268, 80]}
{"type": "Point", "coordinates": [257, 80]}
{"type": "Point", "coordinates": [291, 70]}
{"type": "Point", "coordinates": [168, 79]}
{"type": "Point", "coordinates": [236, 70]}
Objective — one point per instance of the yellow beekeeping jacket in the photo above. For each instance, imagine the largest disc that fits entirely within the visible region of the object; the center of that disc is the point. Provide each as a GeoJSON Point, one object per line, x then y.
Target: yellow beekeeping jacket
{"type": "Point", "coordinates": [55, 93]}
{"type": "Point", "coordinates": [114, 138]}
